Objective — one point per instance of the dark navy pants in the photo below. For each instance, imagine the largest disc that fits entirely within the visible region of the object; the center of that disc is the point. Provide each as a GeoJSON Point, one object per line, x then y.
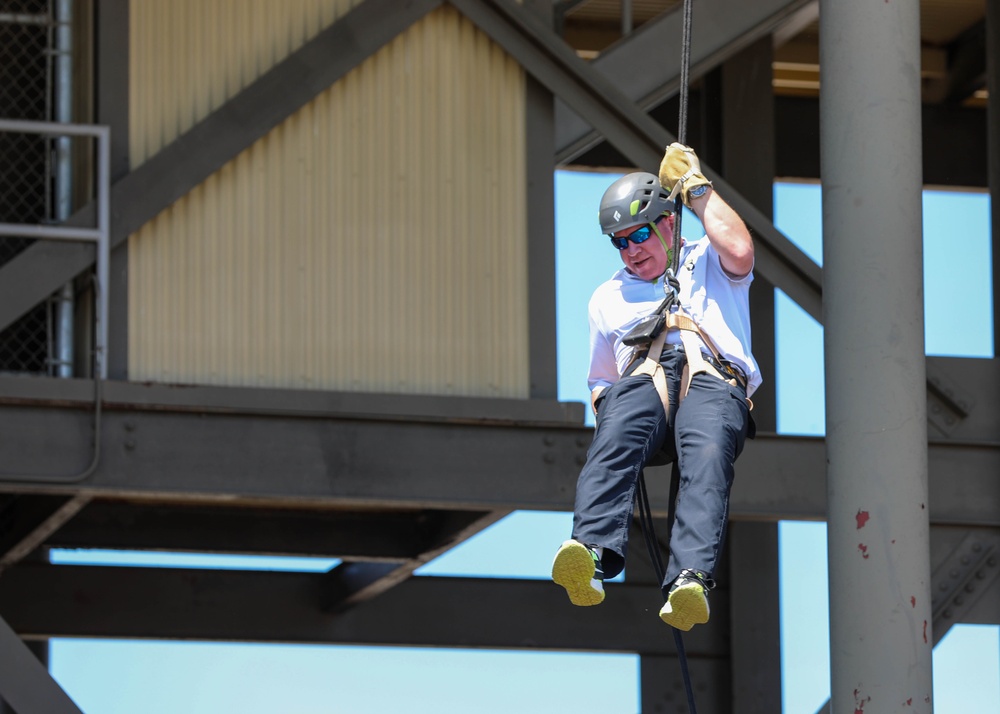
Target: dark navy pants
{"type": "Point", "coordinates": [705, 435]}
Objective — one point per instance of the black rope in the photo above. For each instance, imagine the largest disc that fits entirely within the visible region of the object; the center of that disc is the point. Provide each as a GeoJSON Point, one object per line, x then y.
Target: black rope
{"type": "Point", "coordinates": [682, 121]}
{"type": "Point", "coordinates": [670, 283]}
{"type": "Point", "coordinates": [646, 523]}
{"type": "Point", "coordinates": [653, 548]}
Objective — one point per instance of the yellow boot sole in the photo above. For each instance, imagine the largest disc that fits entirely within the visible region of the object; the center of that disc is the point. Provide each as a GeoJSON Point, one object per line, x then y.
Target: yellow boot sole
{"type": "Point", "coordinates": [573, 569]}
{"type": "Point", "coordinates": [686, 607]}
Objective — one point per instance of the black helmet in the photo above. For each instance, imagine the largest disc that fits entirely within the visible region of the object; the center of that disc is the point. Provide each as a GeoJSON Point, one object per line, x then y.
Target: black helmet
{"type": "Point", "coordinates": [632, 200]}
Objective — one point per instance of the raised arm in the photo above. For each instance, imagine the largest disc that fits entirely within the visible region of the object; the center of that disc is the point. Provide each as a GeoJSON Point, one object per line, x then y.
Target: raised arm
{"type": "Point", "coordinates": [727, 232]}
{"type": "Point", "coordinates": [680, 172]}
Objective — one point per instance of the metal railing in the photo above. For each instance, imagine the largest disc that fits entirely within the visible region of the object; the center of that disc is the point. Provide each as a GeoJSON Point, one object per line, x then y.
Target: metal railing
{"type": "Point", "coordinates": [99, 235]}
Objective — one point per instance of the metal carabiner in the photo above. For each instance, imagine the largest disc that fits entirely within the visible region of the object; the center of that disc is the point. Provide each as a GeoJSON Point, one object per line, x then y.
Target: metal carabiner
{"type": "Point", "coordinates": [671, 287]}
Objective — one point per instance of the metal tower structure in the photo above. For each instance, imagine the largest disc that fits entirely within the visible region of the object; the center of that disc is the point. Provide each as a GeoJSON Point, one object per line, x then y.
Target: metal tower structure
{"type": "Point", "coordinates": [386, 481]}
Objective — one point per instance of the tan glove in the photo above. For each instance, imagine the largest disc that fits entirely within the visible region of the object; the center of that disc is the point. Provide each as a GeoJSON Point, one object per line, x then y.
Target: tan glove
{"type": "Point", "coordinates": [680, 171]}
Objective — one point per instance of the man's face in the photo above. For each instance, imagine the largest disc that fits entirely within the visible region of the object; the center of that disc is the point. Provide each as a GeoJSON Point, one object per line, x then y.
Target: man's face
{"type": "Point", "coordinates": [647, 260]}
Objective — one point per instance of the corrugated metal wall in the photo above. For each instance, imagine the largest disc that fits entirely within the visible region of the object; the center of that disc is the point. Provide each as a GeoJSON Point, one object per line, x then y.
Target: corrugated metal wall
{"type": "Point", "coordinates": [374, 241]}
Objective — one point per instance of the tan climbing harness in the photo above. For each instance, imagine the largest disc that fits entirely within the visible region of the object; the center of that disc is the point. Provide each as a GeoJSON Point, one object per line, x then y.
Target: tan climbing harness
{"type": "Point", "coordinates": [692, 337]}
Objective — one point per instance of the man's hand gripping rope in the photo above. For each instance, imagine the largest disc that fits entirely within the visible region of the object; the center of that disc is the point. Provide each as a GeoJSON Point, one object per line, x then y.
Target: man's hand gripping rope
{"type": "Point", "coordinates": [680, 170]}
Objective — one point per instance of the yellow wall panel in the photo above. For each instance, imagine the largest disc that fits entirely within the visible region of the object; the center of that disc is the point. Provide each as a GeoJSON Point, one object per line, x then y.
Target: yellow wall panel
{"type": "Point", "coordinates": [374, 241]}
{"type": "Point", "coordinates": [187, 57]}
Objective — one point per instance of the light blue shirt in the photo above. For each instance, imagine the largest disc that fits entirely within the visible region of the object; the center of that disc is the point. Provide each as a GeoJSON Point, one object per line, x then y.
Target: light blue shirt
{"type": "Point", "coordinates": [718, 303]}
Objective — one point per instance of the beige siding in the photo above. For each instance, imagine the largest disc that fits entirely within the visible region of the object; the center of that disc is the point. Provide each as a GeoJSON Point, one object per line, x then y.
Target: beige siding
{"type": "Point", "coordinates": [374, 241]}
{"type": "Point", "coordinates": [187, 57]}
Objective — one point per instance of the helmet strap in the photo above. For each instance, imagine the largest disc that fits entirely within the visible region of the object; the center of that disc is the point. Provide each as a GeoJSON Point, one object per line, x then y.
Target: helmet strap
{"type": "Point", "coordinates": [663, 241]}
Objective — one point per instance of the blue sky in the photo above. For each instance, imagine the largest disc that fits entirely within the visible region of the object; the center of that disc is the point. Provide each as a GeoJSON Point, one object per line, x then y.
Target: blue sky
{"type": "Point", "coordinates": [112, 677]}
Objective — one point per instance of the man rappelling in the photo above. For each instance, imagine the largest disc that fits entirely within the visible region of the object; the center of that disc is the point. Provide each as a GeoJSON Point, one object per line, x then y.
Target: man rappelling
{"type": "Point", "coordinates": [671, 373]}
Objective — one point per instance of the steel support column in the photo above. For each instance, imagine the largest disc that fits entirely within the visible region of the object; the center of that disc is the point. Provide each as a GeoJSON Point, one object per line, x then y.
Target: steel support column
{"type": "Point", "coordinates": [993, 150]}
{"type": "Point", "coordinates": [877, 510]}
{"type": "Point", "coordinates": [748, 152]}
{"type": "Point", "coordinates": [541, 237]}
{"type": "Point", "coordinates": [112, 110]}
{"type": "Point", "coordinates": [755, 640]}
{"type": "Point", "coordinates": [748, 163]}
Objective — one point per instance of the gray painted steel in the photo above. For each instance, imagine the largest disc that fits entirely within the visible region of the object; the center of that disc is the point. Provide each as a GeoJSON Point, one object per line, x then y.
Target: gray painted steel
{"type": "Point", "coordinates": [241, 606]}
{"type": "Point", "coordinates": [748, 148]}
{"type": "Point", "coordinates": [328, 450]}
{"type": "Point", "coordinates": [40, 600]}
{"type": "Point", "coordinates": [26, 685]}
{"type": "Point", "coordinates": [193, 157]}
{"type": "Point", "coordinates": [747, 158]}
{"type": "Point", "coordinates": [99, 235]}
{"type": "Point", "coordinates": [434, 440]}
{"type": "Point", "coordinates": [663, 686]}
{"type": "Point", "coordinates": [993, 149]}
{"type": "Point", "coordinates": [633, 132]}
{"type": "Point", "coordinates": [63, 177]}
{"type": "Point", "coordinates": [645, 66]}
{"type": "Point", "coordinates": [877, 509]}
{"type": "Point", "coordinates": [349, 584]}
{"type": "Point", "coordinates": [29, 527]}
{"type": "Point", "coordinates": [387, 535]}
{"type": "Point", "coordinates": [966, 577]}
{"type": "Point", "coordinates": [44, 266]}
{"type": "Point", "coordinates": [756, 650]}
{"type": "Point", "coordinates": [111, 49]}
{"type": "Point", "coordinates": [543, 371]}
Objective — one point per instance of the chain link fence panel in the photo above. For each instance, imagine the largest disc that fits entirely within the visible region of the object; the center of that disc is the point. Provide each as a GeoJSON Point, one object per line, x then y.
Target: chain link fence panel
{"type": "Point", "coordinates": [26, 54]}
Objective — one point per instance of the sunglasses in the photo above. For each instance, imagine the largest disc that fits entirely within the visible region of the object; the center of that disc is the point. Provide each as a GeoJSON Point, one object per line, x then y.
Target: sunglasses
{"type": "Point", "coordinates": [639, 236]}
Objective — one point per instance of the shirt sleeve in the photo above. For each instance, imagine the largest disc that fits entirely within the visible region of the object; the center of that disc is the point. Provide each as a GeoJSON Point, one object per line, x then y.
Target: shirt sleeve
{"type": "Point", "coordinates": [603, 366]}
{"type": "Point", "coordinates": [717, 266]}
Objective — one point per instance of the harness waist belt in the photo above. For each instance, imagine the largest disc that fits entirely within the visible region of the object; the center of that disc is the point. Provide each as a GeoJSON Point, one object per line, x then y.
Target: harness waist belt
{"type": "Point", "coordinates": [727, 368]}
